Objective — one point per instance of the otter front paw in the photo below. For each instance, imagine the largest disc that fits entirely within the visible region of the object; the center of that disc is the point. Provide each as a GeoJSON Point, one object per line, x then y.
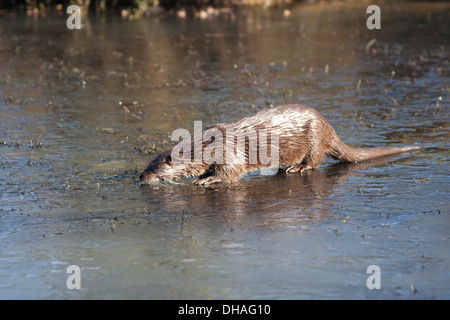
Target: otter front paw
{"type": "Point", "coordinates": [206, 181]}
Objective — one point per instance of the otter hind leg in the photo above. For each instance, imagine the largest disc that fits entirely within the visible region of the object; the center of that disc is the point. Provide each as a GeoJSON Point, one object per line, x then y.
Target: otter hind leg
{"type": "Point", "coordinates": [296, 168]}
{"type": "Point", "coordinates": [310, 161]}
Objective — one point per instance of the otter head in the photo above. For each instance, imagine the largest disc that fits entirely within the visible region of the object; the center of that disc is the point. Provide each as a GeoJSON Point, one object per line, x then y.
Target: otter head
{"type": "Point", "coordinates": [164, 168]}
{"type": "Point", "coordinates": [159, 169]}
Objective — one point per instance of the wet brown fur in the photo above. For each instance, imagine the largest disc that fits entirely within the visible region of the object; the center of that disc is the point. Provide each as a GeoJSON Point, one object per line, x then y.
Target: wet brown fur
{"type": "Point", "coordinates": [305, 137]}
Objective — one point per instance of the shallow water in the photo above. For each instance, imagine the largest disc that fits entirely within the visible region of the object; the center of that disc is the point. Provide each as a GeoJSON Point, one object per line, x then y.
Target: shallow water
{"type": "Point", "coordinates": [83, 112]}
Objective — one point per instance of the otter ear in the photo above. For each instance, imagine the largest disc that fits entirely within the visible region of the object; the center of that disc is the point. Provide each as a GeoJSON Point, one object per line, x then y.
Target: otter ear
{"type": "Point", "coordinates": [169, 159]}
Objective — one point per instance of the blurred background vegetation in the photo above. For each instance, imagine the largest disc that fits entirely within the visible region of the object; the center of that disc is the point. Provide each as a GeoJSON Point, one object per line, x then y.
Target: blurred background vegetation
{"type": "Point", "coordinates": [139, 8]}
{"type": "Point", "coordinates": [134, 8]}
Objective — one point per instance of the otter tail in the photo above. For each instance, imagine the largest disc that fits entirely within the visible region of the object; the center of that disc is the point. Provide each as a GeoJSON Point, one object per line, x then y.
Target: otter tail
{"type": "Point", "coordinates": [338, 150]}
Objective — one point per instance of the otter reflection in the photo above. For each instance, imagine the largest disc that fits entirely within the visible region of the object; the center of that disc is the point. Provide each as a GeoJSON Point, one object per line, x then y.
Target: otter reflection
{"type": "Point", "coordinates": [278, 201]}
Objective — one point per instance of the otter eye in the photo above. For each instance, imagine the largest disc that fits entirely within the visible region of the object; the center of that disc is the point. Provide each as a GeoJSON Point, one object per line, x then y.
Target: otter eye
{"type": "Point", "coordinates": [169, 159]}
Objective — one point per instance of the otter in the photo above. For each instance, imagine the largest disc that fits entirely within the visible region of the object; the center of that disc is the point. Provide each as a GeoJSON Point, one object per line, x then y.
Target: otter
{"type": "Point", "coordinates": [303, 135]}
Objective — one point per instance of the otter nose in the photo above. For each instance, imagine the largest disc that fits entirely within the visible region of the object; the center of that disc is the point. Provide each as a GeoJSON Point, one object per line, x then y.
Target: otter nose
{"type": "Point", "coordinates": [142, 176]}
